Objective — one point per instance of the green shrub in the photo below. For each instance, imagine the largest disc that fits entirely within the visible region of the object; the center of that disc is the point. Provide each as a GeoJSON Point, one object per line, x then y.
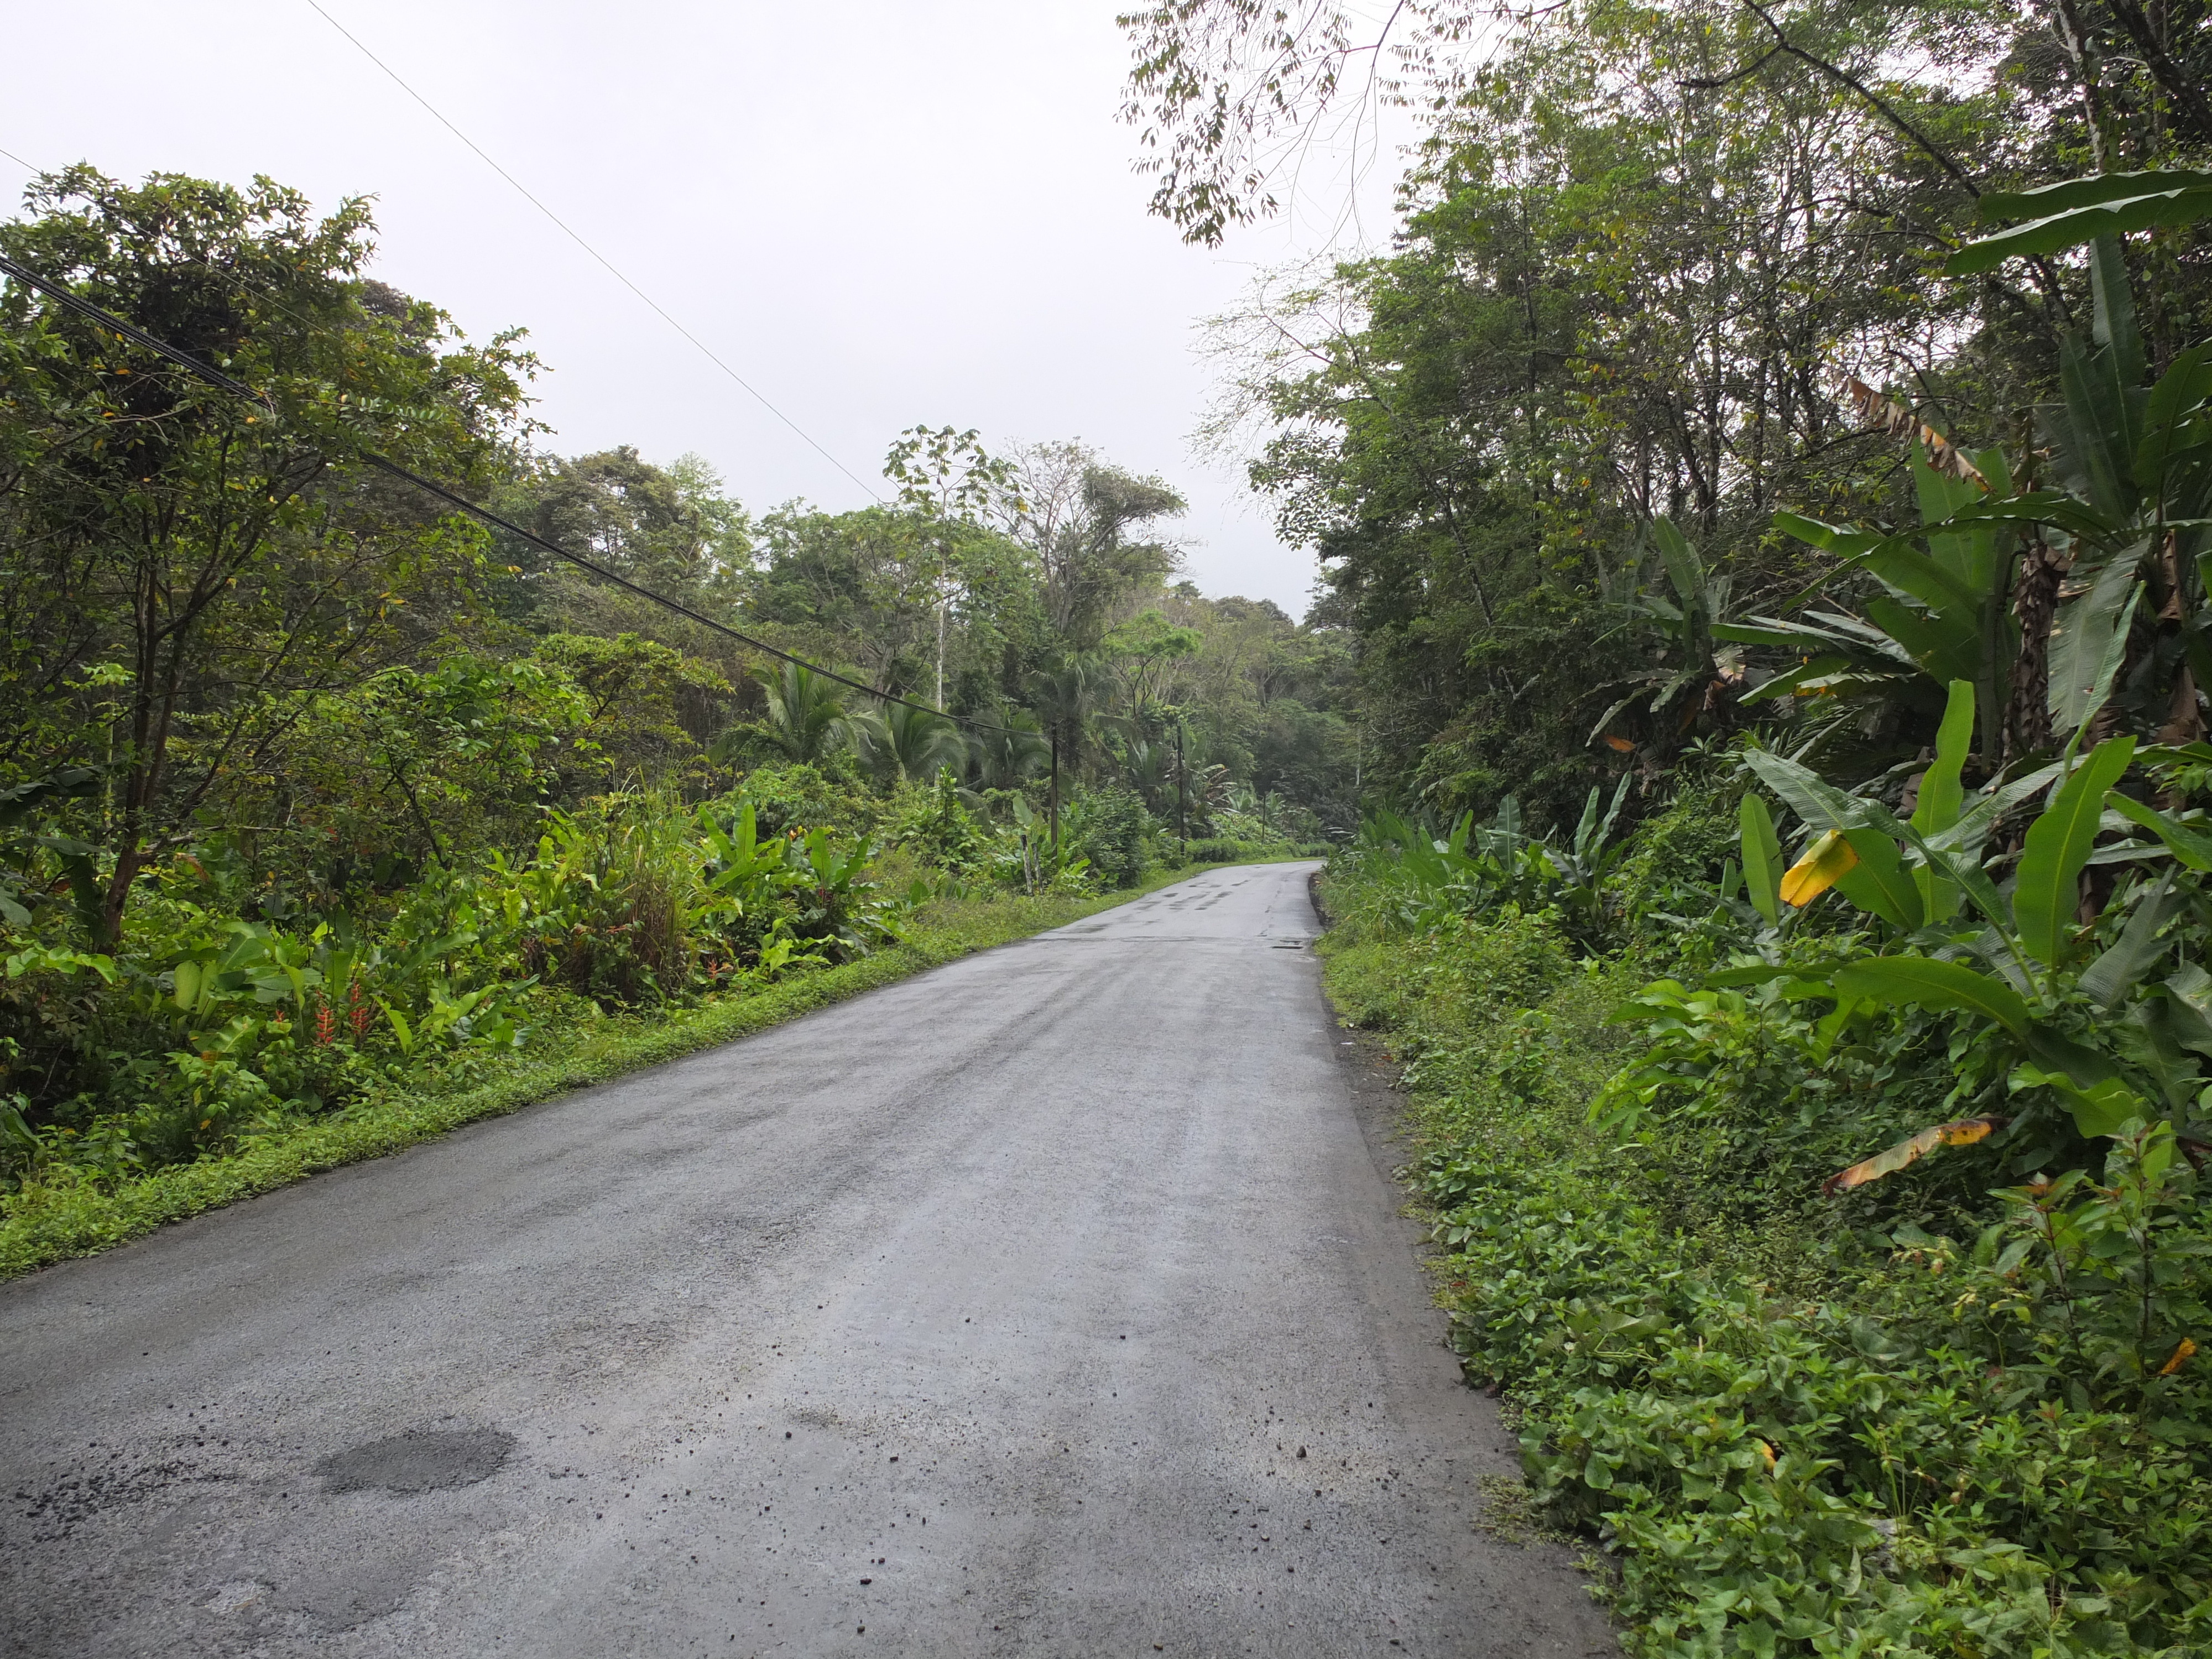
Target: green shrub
{"type": "Point", "coordinates": [1913, 1419]}
{"type": "Point", "coordinates": [1216, 852]}
{"type": "Point", "coordinates": [1110, 826]}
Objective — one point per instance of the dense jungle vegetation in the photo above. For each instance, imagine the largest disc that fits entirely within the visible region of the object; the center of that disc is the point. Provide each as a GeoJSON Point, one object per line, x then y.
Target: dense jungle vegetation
{"type": "Point", "coordinates": [319, 800]}
{"type": "Point", "coordinates": [1767, 485]}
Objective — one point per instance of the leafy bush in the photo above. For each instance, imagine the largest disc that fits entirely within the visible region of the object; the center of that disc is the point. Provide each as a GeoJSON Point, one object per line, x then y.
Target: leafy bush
{"type": "Point", "coordinates": [1217, 852]}
{"type": "Point", "coordinates": [1110, 826]}
{"type": "Point", "coordinates": [207, 1029]}
{"type": "Point", "coordinates": [1906, 1416]}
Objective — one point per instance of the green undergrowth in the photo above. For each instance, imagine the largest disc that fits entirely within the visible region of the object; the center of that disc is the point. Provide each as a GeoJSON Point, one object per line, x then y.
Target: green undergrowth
{"type": "Point", "coordinates": [45, 1224]}
{"type": "Point", "coordinates": [1923, 1419]}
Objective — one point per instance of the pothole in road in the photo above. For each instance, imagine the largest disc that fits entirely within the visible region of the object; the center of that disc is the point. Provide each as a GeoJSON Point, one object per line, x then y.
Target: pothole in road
{"type": "Point", "coordinates": [419, 1461]}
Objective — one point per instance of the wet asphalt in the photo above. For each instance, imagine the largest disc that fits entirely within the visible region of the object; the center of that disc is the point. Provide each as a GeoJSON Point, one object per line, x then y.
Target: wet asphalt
{"type": "Point", "coordinates": [1056, 1302]}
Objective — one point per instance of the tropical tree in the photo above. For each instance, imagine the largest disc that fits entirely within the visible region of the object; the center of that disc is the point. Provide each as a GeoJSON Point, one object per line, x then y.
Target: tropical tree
{"type": "Point", "coordinates": [805, 719]}
{"type": "Point", "coordinates": [1085, 522]}
{"type": "Point", "coordinates": [906, 745]}
{"type": "Point", "coordinates": [185, 564]}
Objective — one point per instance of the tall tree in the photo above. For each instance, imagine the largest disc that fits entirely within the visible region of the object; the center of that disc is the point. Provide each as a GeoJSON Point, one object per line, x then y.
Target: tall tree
{"type": "Point", "coordinates": [184, 564]}
{"type": "Point", "coordinates": [1086, 521]}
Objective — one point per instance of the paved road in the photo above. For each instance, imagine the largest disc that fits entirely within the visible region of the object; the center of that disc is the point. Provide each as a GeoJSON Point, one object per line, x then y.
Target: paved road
{"type": "Point", "coordinates": [1048, 1303]}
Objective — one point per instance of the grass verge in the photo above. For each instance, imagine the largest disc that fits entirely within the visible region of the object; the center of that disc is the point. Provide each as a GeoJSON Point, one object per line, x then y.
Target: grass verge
{"type": "Point", "coordinates": [45, 1224]}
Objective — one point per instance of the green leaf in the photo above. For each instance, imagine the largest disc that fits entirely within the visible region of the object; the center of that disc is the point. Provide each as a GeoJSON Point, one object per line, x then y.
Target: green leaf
{"type": "Point", "coordinates": [1683, 568]}
{"type": "Point", "coordinates": [399, 1027]}
{"type": "Point", "coordinates": [2099, 1109]}
{"type": "Point", "coordinates": [2068, 512]}
{"type": "Point", "coordinates": [2132, 201]}
{"type": "Point", "coordinates": [1925, 983]}
{"type": "Point", "coordinates": [1761, 973]}
{"type": "Point", "coordinates": [1832, 538]}
{"type": "Point", "coordinates": [2193, 847]}
{"type": "Point", "coordinates": [2116, 972]}
{"type": "Point", "coordinates": [1880, 883]}
{"type": "Point", "coordinates": [2091, 191]}
{"type": "Point", "coordinates": [1805, 792]}
{"type": "Point", "coordinates": [1944, 647]}
{"type": "Point", "coordinates": [2112, 318]}
{"type": "Point", "coordinates": [2188, 995]}
{"type": "Point", "coordinates": [1941, 795]}
{"type": "Point", "coordinates": [1819, 668]}
{"type": "Point", "coordinates": [2057, 1051]}
{"type": "Point", "coordinates": [1762, 857]}
{"type": "Point", "coordinates": [2154, 1037]}
{"type": "Point", "coordinates": [2089, 640]}
{"type": "Point", "coordinates": [1941, 791]}
{"type": "Point", "coordinates": [2046, 892]}
{"type": "Point", "coordinates": [1909, 571]}
{"type": "Point", "coordinates": [2179, 393]}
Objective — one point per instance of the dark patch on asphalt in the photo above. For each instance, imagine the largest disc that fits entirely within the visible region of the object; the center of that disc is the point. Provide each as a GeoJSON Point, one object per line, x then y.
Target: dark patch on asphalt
{"type": "Point", "coordinates": [56, 1512]}
{"type": "Point", "coordinates": [419, 1461]}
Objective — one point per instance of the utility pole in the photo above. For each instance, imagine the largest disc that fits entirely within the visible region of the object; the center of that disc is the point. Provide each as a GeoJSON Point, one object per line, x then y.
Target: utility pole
{"type": "Point", "coordinates": [1182, 795]}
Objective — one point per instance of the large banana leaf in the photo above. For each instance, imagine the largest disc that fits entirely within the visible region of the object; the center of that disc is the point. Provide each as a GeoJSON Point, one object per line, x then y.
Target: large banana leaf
{"type": "Point", "coordinates": [2065, 215]}
{"type": "Point", "coordinates": [2089, 642]}
{"type": "Point", "coordinates": [2046, 892]}
{"type": "Point", "coordinates": [1925, 983]}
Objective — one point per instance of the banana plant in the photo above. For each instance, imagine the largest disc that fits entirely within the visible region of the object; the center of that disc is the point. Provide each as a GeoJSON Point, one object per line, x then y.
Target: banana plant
{"type": "Point", "coordinates": [1940, 613]}
{"type": "Point", "coordinates": [257, 962]}
{"type": "Point", "coordinates": [743, 871]}
{"type": "Point", "coordinates": [2088, 1027]}
{"type": "Point", "coordinates": [1693, 622]}
{"type": "Point", "coordinates": [2127, 514]}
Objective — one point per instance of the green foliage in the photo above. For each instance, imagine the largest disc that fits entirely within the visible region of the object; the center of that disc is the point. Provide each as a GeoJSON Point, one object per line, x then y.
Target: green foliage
{"type": "Point", "coordinates": [1412, 877]}
{"type": "Point", "coordinates": [1935, 1422]}
{"type": "Point", "coordinates": [1110, 828]}
{"type": "Point", "coordinates": [185, 567]}
{"type": "Point", "coordinates": [1847, 1284]}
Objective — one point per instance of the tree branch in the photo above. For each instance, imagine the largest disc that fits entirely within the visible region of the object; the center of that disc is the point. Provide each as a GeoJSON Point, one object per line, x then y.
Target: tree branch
{"type": "Point", "coordinates": [1843, 78]}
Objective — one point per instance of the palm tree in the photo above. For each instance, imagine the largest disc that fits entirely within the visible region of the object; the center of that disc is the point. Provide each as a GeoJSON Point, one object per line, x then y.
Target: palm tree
{"type": "Point", "coordinates": [806, 716]}
{"type": "Point", "coordinates": [905, 743]}
{"type": "Point", "coordinates": [1012, 751]}
{"type": "Point", "coordinates": [1064, 695]}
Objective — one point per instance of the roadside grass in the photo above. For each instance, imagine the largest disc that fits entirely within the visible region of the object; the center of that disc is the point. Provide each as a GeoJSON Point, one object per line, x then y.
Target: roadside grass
{"type": "Point", "coordinates": [45, 1224]}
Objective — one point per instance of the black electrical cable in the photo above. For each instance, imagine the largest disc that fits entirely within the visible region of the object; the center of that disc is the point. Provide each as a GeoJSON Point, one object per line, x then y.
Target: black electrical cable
{"type": "Point", "coordinates": [216, 378]}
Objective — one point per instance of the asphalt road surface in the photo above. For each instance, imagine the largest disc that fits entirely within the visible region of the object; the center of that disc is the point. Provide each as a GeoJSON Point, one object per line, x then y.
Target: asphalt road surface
{"type": "Point", "coordinates": [1052, 1302]}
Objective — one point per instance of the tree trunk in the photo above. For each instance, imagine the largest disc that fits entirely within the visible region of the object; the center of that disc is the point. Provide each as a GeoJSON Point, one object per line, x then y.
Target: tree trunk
{"type": "Point", "coordinates": [2028, 708]}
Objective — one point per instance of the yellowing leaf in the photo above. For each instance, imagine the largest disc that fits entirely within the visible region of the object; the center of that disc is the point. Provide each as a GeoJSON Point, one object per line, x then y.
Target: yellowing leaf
{"type": "Point", "coordinates": [1827, 861]}
{"type": "Point", "coordinates": [1959, 1131]}
{"type": "Point", "coordinates": [1620, 746]}
{"type": "Point", "coordinates": [2181, 1353]}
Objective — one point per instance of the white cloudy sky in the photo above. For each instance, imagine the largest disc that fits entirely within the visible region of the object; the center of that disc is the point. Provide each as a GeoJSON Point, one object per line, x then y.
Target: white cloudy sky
{"type": "Point", "coordinates": [880, 213]}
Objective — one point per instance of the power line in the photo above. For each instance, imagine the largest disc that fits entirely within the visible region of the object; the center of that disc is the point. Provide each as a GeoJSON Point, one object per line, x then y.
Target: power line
{"type": "Point", "coordinates": [567, 231]}
{"type": "Point", "coordinates": [237, 388]}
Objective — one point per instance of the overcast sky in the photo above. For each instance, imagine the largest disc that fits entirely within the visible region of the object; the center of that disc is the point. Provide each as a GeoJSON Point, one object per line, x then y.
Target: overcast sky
{"type": "Point", "coordinates": [880, 213]}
